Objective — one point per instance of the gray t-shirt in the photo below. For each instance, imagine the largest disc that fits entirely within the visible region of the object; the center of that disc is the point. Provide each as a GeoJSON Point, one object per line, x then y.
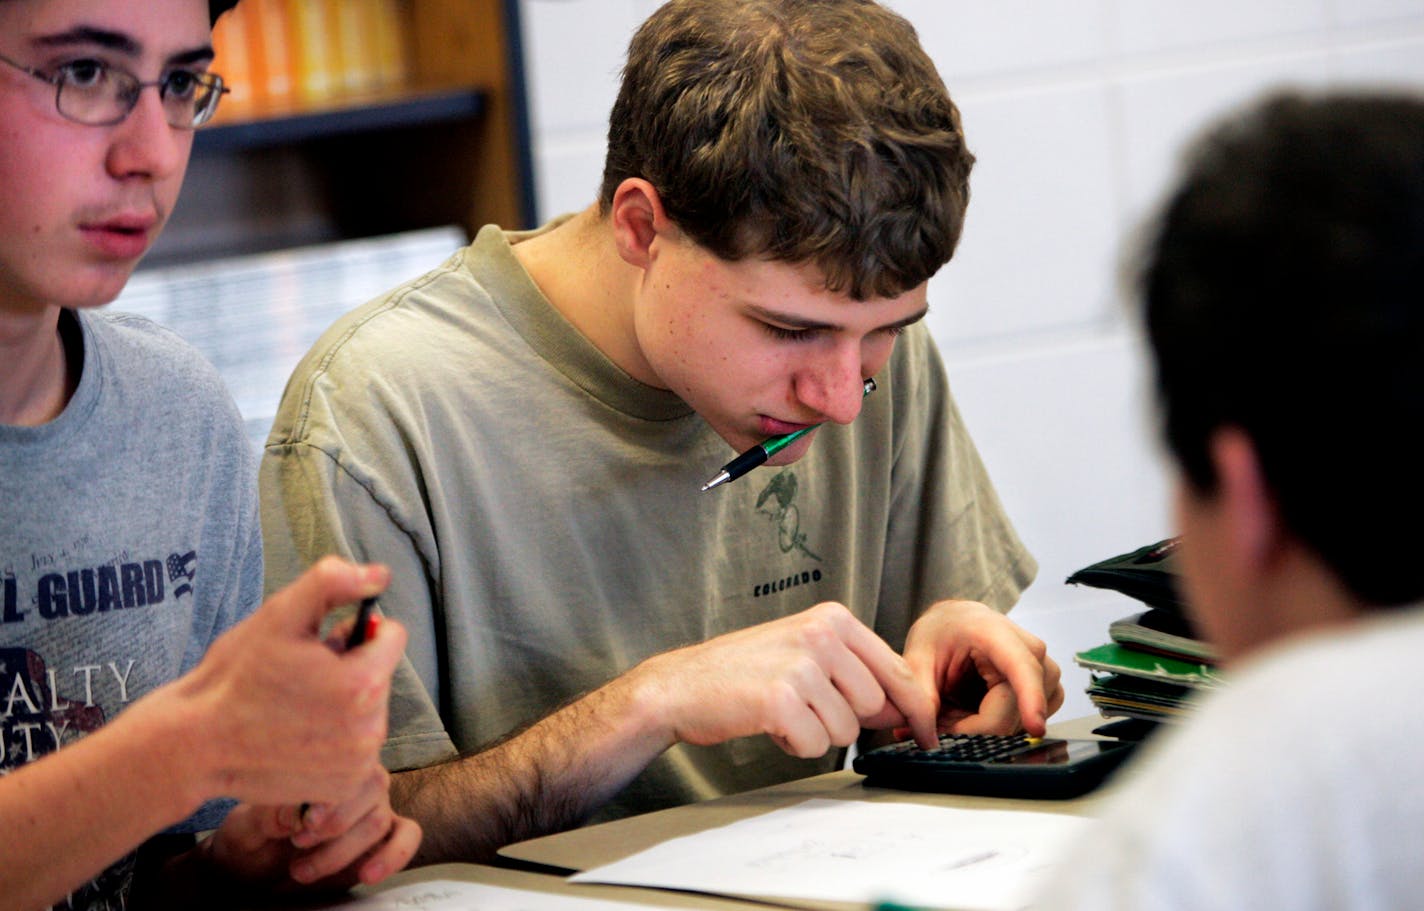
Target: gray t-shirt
{"type": "Point", "coordinates": [542, 513]}
{"type": "Point", "coordinates": [129, 541]}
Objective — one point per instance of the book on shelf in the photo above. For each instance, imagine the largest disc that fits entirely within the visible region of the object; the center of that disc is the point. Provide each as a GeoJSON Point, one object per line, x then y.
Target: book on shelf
{"type": "Point", "coordinates": [232, 58]}
{"type": "Point", "coordinates": [269, 29]}
{"type": "Point", "coordinates": [280, 54]}
{"type": "Point", "coordinates": [388, 42]}
{"type": "Point", "coordinates": [318, 77]}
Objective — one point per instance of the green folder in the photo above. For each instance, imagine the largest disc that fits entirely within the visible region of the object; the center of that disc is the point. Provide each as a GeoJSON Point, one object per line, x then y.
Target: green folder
{"type": "Point", "coordinates": [1116, 659]}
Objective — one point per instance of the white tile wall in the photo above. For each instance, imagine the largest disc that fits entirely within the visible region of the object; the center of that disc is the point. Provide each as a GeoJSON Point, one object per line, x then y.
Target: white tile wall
{"type": "Point", "coordinates": [1045, 34]}
{"type": "Point", "coordinates": [1153, 26]}
{"type": "Point", "coordinates": [1077, 110]}
{"type": "Point", "coordinates": [1388, 62]}
{"type": "Point", "coordinates": [1163, 108]}
{"type": "Point", "coordinates": [574, 51]}
{"type": "Point", "coordinates": [1059, 222]}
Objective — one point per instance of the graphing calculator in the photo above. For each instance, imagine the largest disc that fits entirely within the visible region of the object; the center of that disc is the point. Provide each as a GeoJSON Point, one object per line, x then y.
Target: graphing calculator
{"type": "Point", "coordinates": [1015, 765]}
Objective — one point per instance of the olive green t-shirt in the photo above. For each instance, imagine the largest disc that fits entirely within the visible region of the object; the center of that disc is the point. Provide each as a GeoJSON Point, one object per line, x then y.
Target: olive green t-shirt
{"type": "Point", "coordinates": [543, 516]}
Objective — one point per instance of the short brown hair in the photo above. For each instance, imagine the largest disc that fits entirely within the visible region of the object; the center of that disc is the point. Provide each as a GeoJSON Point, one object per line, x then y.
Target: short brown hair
{"type": "Point", "coordinates": [805, 131]}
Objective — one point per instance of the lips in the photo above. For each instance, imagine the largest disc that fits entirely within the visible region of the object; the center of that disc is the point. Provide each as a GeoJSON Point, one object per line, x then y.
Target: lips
{"type": "Point", "coordinates": [772, 427]}
{"type": "Point", "coordinates": [121, 236]}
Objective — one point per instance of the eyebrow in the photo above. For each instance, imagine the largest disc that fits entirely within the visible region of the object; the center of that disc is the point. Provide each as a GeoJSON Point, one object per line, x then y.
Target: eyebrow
{"type": "Point", "coordinates": [792, 321]}
{"type": "Point", "coordinates": [88, 35]}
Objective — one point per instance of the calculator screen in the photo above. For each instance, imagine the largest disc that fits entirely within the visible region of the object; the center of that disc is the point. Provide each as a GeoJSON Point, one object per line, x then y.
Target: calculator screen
{"type": "Point", "coordinates": [1054, 752]}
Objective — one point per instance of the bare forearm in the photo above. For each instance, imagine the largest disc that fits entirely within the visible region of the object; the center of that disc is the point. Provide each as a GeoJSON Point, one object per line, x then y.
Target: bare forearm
{"type": "Point", "coordinates": [71, 814]}
{"type": "Point", "coordinates": [544, 779]}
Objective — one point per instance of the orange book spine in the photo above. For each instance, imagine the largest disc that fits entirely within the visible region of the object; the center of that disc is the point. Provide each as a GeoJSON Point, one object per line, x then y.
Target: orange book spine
{"type": "Point", "coordinates": [352, 19]}
{"type": "Point", "coordinates": [318, 78]}
{"type": "Point", "coordinates": [232, 61]}
{"type": "Point", "coordinates": [272, 30]}
{"type": "Point", "coordinates": [389, 32]}
{"type": "Point", "coordinates": [256, 53]}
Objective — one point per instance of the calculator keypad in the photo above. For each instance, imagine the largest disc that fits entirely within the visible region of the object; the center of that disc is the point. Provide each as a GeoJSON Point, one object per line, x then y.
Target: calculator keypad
{"type": "Point", "coordinates": [1011, 765]}
{"type": "Point", "coordinates": [969, 748]}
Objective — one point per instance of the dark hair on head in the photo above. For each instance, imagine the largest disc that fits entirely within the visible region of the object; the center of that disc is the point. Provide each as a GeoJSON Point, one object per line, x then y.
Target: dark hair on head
{"type": "Point", "coordinates": [217, 7]}
{"type": "Point", "coordinates": [805, 131]}
{"type": "Point", "coordinates": [1284, 295]}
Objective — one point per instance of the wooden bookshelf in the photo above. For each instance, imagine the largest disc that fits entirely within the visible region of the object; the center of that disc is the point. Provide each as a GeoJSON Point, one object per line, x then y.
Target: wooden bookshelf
{"type": "Point", "coordinates": [351, 117]}
{"type": "Point", "coordinates": [447, 146]}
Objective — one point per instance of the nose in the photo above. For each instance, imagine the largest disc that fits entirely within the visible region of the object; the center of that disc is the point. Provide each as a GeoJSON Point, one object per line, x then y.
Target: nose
{"type": "Point", "coordinates": [835, 387]}
{"type": "Point", "coordinates": [144, 145]}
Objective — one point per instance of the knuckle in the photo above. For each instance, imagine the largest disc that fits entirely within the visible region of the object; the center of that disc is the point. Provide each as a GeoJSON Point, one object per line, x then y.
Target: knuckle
{"type": "Point", "coordinates": [819, 634]}
{"type": "Point", "coordinates": [867, 704]}
{"type": "Point", "coordinates": [802, 672]}
{"type": "Point", "coordinates": [373, 825]}
{"type": "Point", "coordinates": [780, 700]}
{"type": "Point", "coordinates": [830, 612]}
{"type": "Point", "coordinates": [844, 735]}
{"type": "Point", "coordinates": [368, 740]}
{"type": "Point", "coordinates": [397, 631]}
{"type": "Point", "coordinates": [329, 568]}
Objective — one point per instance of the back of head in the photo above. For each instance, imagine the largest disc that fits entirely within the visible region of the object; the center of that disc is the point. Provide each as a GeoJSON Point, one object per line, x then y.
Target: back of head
{"type": "Point", "coordinates": [1284, 294]}
{"type": "Point", "coordinates": [804, 131]}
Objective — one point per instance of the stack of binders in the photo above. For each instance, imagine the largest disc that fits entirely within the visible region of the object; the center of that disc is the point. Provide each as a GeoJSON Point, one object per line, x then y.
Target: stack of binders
{"type": "Point", "coordinates": [1154, 661]}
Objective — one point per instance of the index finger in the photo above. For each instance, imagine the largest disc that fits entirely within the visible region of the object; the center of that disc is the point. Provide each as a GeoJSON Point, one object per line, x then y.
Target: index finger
{"type": "Point", "coordinates": [1012, 657]}
{"type": "Point", "coordinates": [907, 694]}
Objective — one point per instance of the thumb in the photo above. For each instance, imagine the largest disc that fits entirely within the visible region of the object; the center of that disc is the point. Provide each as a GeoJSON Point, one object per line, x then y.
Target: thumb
{"type": "Point", "coordinates": [300, 607]}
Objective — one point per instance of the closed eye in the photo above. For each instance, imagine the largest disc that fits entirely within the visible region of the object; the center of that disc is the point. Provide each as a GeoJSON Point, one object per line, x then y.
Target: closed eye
{"type": "Point", "coordinates": [781, 333]}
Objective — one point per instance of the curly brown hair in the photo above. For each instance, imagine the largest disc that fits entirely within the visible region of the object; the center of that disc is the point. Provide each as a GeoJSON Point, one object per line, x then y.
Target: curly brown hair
{"type": "Point", "coordinates": [804, 131]}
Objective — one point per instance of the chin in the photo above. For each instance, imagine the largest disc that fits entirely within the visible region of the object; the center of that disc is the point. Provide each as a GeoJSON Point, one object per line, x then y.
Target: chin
{"type": "Point", "coordinates": [101, 289]}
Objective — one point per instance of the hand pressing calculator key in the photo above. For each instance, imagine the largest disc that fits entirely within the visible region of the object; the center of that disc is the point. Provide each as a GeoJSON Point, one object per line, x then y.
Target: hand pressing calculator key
{"type": "Point", "coordinates": [1014, 765]}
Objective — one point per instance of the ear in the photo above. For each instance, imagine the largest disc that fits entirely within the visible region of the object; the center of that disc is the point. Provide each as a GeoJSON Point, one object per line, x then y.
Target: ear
{"type": "Point", "coordinates": [1252, 520]}
{"type": "Point", "coordinates": [637, 218]}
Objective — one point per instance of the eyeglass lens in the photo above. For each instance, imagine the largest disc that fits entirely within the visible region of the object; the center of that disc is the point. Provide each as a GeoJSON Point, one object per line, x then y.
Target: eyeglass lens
{"type": "Point", "coordinates": [104, 95]}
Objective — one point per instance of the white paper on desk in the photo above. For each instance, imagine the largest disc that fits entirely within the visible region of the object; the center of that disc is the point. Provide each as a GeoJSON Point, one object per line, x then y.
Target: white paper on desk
{"type": "Point", "coordinates": [451, 895]}
{"type": "Point", "coordinates": [859, 851]}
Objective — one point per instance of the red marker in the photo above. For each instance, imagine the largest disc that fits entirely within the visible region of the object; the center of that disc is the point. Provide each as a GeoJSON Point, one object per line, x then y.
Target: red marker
{"type": "Point", "coordinates": [365, 625]}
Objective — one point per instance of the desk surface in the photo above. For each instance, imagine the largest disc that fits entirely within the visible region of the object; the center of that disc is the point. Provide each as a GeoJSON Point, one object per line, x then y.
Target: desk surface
{"type": "Point", "coordinates": [546, 884]}
{"type": "Point", "coordinates": [593, 846]}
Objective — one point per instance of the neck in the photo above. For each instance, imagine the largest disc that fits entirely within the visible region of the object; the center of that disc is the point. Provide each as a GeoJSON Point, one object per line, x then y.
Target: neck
{"type": "Point", "coordinates": [35, 375]}
{"type": "Point", "coordinates": [577, 267]}
{"type": "Point", "coordinates": [1302, 596]}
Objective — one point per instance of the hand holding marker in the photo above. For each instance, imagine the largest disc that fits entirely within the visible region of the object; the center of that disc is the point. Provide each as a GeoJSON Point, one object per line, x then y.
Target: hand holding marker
{"type": "Point", "coordinates": [362, 629]}
{"type": "Point", "coordinates": [765, 450]}
{"type": "Point", "coordinates": [365, 625]}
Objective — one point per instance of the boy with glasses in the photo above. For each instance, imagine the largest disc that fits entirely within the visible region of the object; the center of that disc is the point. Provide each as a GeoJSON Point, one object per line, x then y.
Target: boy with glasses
{"type": "Point", "coordinates": [132, 700]}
